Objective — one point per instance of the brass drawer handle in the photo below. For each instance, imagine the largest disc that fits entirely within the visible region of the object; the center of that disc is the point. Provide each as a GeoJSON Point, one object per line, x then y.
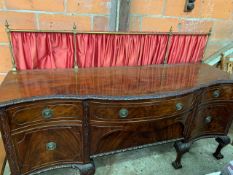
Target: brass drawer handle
{"type": "Point", "coordinates": [179, 106]}
{"type": "Point", "coordinates": [123, 113]}
{"type": "Point", "coordinates": [47, 113]}
{"type": "Point", "coordinates": [50, 146]}
{"type": "Point", "coordinates": [216, 93]}
{"type": "Point", "coordinates": [208, 120]}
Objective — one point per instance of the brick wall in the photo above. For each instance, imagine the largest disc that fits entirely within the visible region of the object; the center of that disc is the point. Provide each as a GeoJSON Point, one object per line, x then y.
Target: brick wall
{"type": "Point", "coordinates": [145, 15]}
{"type": "Point", "coordinates": [160, 15]}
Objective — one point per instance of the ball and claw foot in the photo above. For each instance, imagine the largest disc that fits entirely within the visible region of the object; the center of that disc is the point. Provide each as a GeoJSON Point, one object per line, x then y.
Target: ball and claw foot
{"type": "Point", "coordinates": [181, 149]}
{"type": "Point", "coordinates": [176, 165]}
{"type": "Point", "coordinates": [86, 169]}
{"type": "Point", "coordinates": [223, 141]}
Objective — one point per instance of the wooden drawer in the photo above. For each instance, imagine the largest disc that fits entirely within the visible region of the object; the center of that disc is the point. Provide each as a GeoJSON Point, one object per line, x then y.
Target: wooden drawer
{"type": "Point", "coordinates": [212, 119]}
{"type": "Point", "coordinates": [128, 111]}
{"type": "Point", "coordinates": [44, 111]}
{"type": "Point", "coordinates": [106, 137]}
{"type": "Point", "coordinates": [219, 92]}
{"type": "Point", "coordinates": [48, 147]}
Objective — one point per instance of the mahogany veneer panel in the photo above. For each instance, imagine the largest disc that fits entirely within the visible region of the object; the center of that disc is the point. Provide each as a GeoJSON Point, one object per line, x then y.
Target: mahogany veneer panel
{"type": "Point", "coordinates": [32, 152]}
{"type": "Point", "coordinates": [107, 136]}
{"type": "Point", "coordinates": [2, 157]}
{"type": "Point", "coordinates": [115, 82]}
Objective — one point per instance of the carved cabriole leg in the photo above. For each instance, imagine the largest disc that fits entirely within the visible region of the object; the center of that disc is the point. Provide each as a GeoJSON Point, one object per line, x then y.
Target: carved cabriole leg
{"type": "Point", "coordinates": [86, 169]}
{"type": "Point", "coordinates": [223, 141]}
{"type": "Point", "coordinates": [10, 151]}
{"type": "Point", "coordinates": [181, 148]}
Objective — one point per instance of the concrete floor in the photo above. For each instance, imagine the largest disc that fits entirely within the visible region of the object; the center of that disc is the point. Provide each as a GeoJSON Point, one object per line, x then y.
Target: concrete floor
{"type": "Point", "coordinates": [157, 160]}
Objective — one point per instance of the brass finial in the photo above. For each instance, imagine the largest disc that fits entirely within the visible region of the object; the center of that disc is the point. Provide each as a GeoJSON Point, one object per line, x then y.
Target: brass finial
{"type": "Point", "coordinates": [170, 31]}
{"type": "Point", "coordinates": [74, 27]}
{"type": "Point", "coordinates": [210, 31]}
{"type": "Point", "coordinates": [7, 26]}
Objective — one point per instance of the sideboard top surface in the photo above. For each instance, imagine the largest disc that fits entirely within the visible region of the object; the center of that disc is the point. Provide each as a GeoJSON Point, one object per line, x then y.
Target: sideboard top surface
{"type": "Point", "coordinates": [114, 83]}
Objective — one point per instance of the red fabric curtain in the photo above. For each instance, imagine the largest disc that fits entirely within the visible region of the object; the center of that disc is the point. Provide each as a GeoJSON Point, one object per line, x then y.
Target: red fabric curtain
{"type": "Point", "coordinates": [106, 50]}
{"type": "Point", "coordinates": [56, 50]}
{"type": "Point", "coordinates": [43, 50]}
{"type": "Point", "coordinates": [186, 48]}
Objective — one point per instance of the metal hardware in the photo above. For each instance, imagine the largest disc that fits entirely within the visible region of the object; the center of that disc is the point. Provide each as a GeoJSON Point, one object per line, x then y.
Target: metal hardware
{"type": "Point", "coordinates": [110, 33]}
{"type": "Point", "coordinates": [50, 146]}
{"type": "Point", "coordinates": [168, 46]}
{"type": "Point", "coordinates": [189, 5]}
{"type": "Point", "coordinates": [8, 30]}
{"type": "Point", "coordinates": [47, 113]}
{"type": "Point", "coordinates": [75, 46]}
{"type": "Point", "coordinates": [208, 120]}
{"type": "Point", "coordinates": [75, 32]}
{"type": "Point", "coordinates": [123, 113]}
{"type": "Point", "coordinates": [179, 106]}
{"type": "Point", "coordinates": [216, 93]}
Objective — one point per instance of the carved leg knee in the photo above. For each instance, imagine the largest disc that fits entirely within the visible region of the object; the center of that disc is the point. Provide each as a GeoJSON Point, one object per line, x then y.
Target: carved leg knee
{"type": "Point", "coordinates": [223, 141]}
{"type": "Point", "coordinates": [86, 169]}
{"type": "Point", "coordinates": [181, 148]}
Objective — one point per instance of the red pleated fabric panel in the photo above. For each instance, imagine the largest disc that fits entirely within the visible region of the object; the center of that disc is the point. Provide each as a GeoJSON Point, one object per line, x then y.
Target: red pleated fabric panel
{"type": "Point", "coordinates": [56, 50]}
{"type": "Point", "coordinates": [106, 50]}
{"type": "Point", "coordinates": [43, 50]}
{"type": "Point", "coordinates": [186, 48]}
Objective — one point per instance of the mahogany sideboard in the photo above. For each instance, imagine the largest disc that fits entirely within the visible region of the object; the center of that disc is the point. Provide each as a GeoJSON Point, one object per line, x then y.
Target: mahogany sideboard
{"type": "Point", "coordinates": [63, 118]}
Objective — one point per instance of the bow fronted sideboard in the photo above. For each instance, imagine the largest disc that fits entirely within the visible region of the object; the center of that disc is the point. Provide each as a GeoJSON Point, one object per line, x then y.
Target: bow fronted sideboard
{"type": "Point", "coordinates": [65, 117]}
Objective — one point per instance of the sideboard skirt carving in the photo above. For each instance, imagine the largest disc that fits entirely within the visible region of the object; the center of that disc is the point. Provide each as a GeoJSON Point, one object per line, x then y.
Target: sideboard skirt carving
{"type": "Point", "coordinates": [83, 169]}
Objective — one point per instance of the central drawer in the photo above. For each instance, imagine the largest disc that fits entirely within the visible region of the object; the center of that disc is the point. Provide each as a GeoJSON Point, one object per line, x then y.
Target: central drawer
{"type": "Point", "coordinates": [139, 110]}
{"type": "Point", "coordinates": [44, 111]}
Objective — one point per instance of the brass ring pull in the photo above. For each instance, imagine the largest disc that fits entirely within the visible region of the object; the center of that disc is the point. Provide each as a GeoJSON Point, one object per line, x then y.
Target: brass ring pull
{"type": "Point", "coordinates": [208, 119]}
{"type": "Point", "coordinates": [50, 146]}
{"type": "Point", "coordinates": [123, 113]}
{"type": "Point", "coordinates": [216, 93]}
{"type": "Point", "coordinates": [47, 113]}
{"type": "Point", "coordinates": [179, 106]}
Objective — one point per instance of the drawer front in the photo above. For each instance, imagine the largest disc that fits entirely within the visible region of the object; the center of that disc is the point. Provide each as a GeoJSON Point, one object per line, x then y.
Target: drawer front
{"type": "Point", "coordinates": [128, 111]}
{"type": "Point", "coordinates": [28, 113]}
{"type": "Point", "coordinates": [107, 137]}
{"type": "Point", "coordinates": [219, 92]}
{"type": "Point", "coordinates": [48, 147]}
{"type": "Point", "coordinates": [212, 119]}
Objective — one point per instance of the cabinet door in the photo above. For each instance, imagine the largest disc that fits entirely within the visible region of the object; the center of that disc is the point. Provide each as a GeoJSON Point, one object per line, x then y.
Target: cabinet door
{"type": "Point", "coordinates": [46, 147]}
{"type": "Point", "coordinates": [212, 119]}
